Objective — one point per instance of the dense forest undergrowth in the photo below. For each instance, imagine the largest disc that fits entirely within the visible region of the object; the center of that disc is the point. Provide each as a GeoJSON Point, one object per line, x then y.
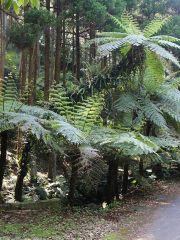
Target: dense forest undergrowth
{"type": "Point", "coordinates": [89, 105]}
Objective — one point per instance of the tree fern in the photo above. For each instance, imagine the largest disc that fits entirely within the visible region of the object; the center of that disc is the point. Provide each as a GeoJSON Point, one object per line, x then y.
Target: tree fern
{"type": "Point", "coordinates": [136, 37]}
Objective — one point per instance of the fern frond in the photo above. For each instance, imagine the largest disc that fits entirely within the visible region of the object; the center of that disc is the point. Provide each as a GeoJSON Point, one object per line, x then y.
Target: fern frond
{"type": "Point", "coordinates": [164, 37]}
{"type": "Point", "coordinates": [152, 112]}
{"type": "Point", "coordinates": [126, 103]}
{"type": "Point", "coordinates": [100, 41]}
{"type": "Point", "coordinates": [163, 142]}
{"type": "Point", "coordinates": [107, 48]}
{"type": "Point", "coordinates": [117, 22]}
{"type": "Point", "coordinates": [112, 34]}
{"type": "Point", "coordinates": [128, 144]}
{"type": "Point", "coordinates": [134, 40]}
{"type": "Point", "coordinates": [131, 26]}
{"type": "Point", "coordinates": [169, 102]}
{"type": "Point", "coordinates": [26, 122]}
{"type": "Point", "coordinates": [70, 133]}
{"type": "Point", "coordinates": [9, 94]}
{"type": "Point", "coordinates": [162, 52]}
{"type": "Point", "coordinates": [169, 44]}
{"type": "Point", "coordinates": [154, 72]}
{"type": "Point", "coordinates": [154, 26]}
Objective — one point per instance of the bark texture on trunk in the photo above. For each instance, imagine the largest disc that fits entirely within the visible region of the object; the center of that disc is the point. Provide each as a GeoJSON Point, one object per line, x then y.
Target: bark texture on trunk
{"type": "Point", "coordinates": [32, 75]}
{"type": "Point", "coordinates": [2, 43]}
{"type": "Point", "coordinates": [47, 61]}
{"type": "Point", "coordinates": [58, 45]}
{"type": "Point", "coordinates": [23, 171]}
{"type": "Point", "coordinates": [92, 47]}
{"type": "Point", "coordinates": [64, 55]}
{"type": "Point", "coordinates": [125, 179]}
{"type": "Point", "coordinates": [74, 173]}
{"type": "Point", "coordinates": [4, 138]}
{"type": "Point", "coordinates": [77, 48]}
{"type": "Point", "coordinates": [112, 182]}
{"type": "Point", "coordinates": [52, 166]}
{"type": "Point", "coordinates": [23, 70]}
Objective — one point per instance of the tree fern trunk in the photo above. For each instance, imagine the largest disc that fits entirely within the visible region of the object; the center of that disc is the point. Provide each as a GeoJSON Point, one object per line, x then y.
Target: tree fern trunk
{"type": "Point", "coordinates": [33, 172]}
{"type": "Point", "coordinates": [141, 169]}
{"type": "Point", "coordinates": [125, 179]}
{"type": "Point", "coordinates": [52, 166]}
{"type": "Point", "coordinates": [72, 181]}
{"type": "Point", "coordinates": [4, 138]}
{"type": "Point", "coordinates": [23, 171]}
{"type": "Point", "coordinates": [112, 182]}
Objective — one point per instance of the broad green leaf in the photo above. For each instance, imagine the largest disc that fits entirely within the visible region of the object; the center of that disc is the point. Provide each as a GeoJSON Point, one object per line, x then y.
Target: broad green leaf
{"type": "Point", "coordinates": [16, 8]}
{"type": "Point", "coordinates": [8, 4]}
{"type": "Point", "coordinates": [20, 2]}
{"type": "Point", "coordinates": [26, 2]}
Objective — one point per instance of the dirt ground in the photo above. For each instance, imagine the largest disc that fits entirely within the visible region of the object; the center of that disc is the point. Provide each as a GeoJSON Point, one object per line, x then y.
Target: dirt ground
{"type": "Point", "coordinates": [129, 219]}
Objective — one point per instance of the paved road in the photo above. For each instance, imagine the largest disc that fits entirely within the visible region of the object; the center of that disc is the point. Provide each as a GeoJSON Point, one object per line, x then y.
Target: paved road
{"type": "Point", "coordinates": [166, 223]}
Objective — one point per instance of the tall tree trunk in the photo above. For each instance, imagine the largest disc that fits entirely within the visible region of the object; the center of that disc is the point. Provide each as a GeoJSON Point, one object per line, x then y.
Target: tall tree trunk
{"type": "Point", "coordinates": [52, 57]}
{"type": "Point", "coordinates": [92, 47]}
{"type": "Point", "coordinates": [77, 48]}
{"type": "Point", "coordinates": [125, 179]}
{"type": "Point", "coordinates": [4, 138]}
{"type": "Point", "coordinates": [52, 166]}
{"type": "Point", "coordinates": [112, 182]}
{"type": "Point", "coordinates": [58, 46]}
{"type": "Point", "coordinates": [64, 55]}
{"type": "Point", "coordinates": [38, 60]}
{"type": "Point", "coordinates": [2, 44]}
{"type": "Point", "coordinates": [73, 56]}
{"type": "Point", "coordinates": [23, 171]}
{"type": "Point", "coordinates": [32, 75]}
{"type": "Point", "coordinates": [47, 62]}
{"type": "Point", "coordinates": [23, 70]}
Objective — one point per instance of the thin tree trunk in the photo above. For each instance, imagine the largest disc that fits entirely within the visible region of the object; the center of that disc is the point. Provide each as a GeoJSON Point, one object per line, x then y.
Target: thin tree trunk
{"type": "Point", "coordinates": [47, 62]}
{"type": "Point", "coordinates": [32, 74]}
{"type": "Point", "coordinates": [92, 47]}
{"type": "Point", "coordinates": [58, 47]}
{"type": "Point", "coordinates": [125, 179]}
{"type": "Point", "coordinates": [23, 70]}
{"type": "Point", "coordinates": [52, 58]}
{"type": "Point", "coordinates": [38, 60]}
{"type": "Point", "coordinates": [73, 60]}
{"type": "Point", "coordinates": [52, 166]}
{"type": "Point", "coordinates": [4, 138]}
{"type": "Point", "coordinates": [2, 44]}
{"type": "Point", "coordinates": [23, 171]}
{"type": "Point", "coordinates": [64, 55]}
{"type": "Point", "coordinates": [77, 48]}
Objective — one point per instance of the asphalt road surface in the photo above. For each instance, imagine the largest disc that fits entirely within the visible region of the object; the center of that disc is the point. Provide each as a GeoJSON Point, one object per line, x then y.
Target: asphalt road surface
{"type": "Point", "coordinates": [165, 224]}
